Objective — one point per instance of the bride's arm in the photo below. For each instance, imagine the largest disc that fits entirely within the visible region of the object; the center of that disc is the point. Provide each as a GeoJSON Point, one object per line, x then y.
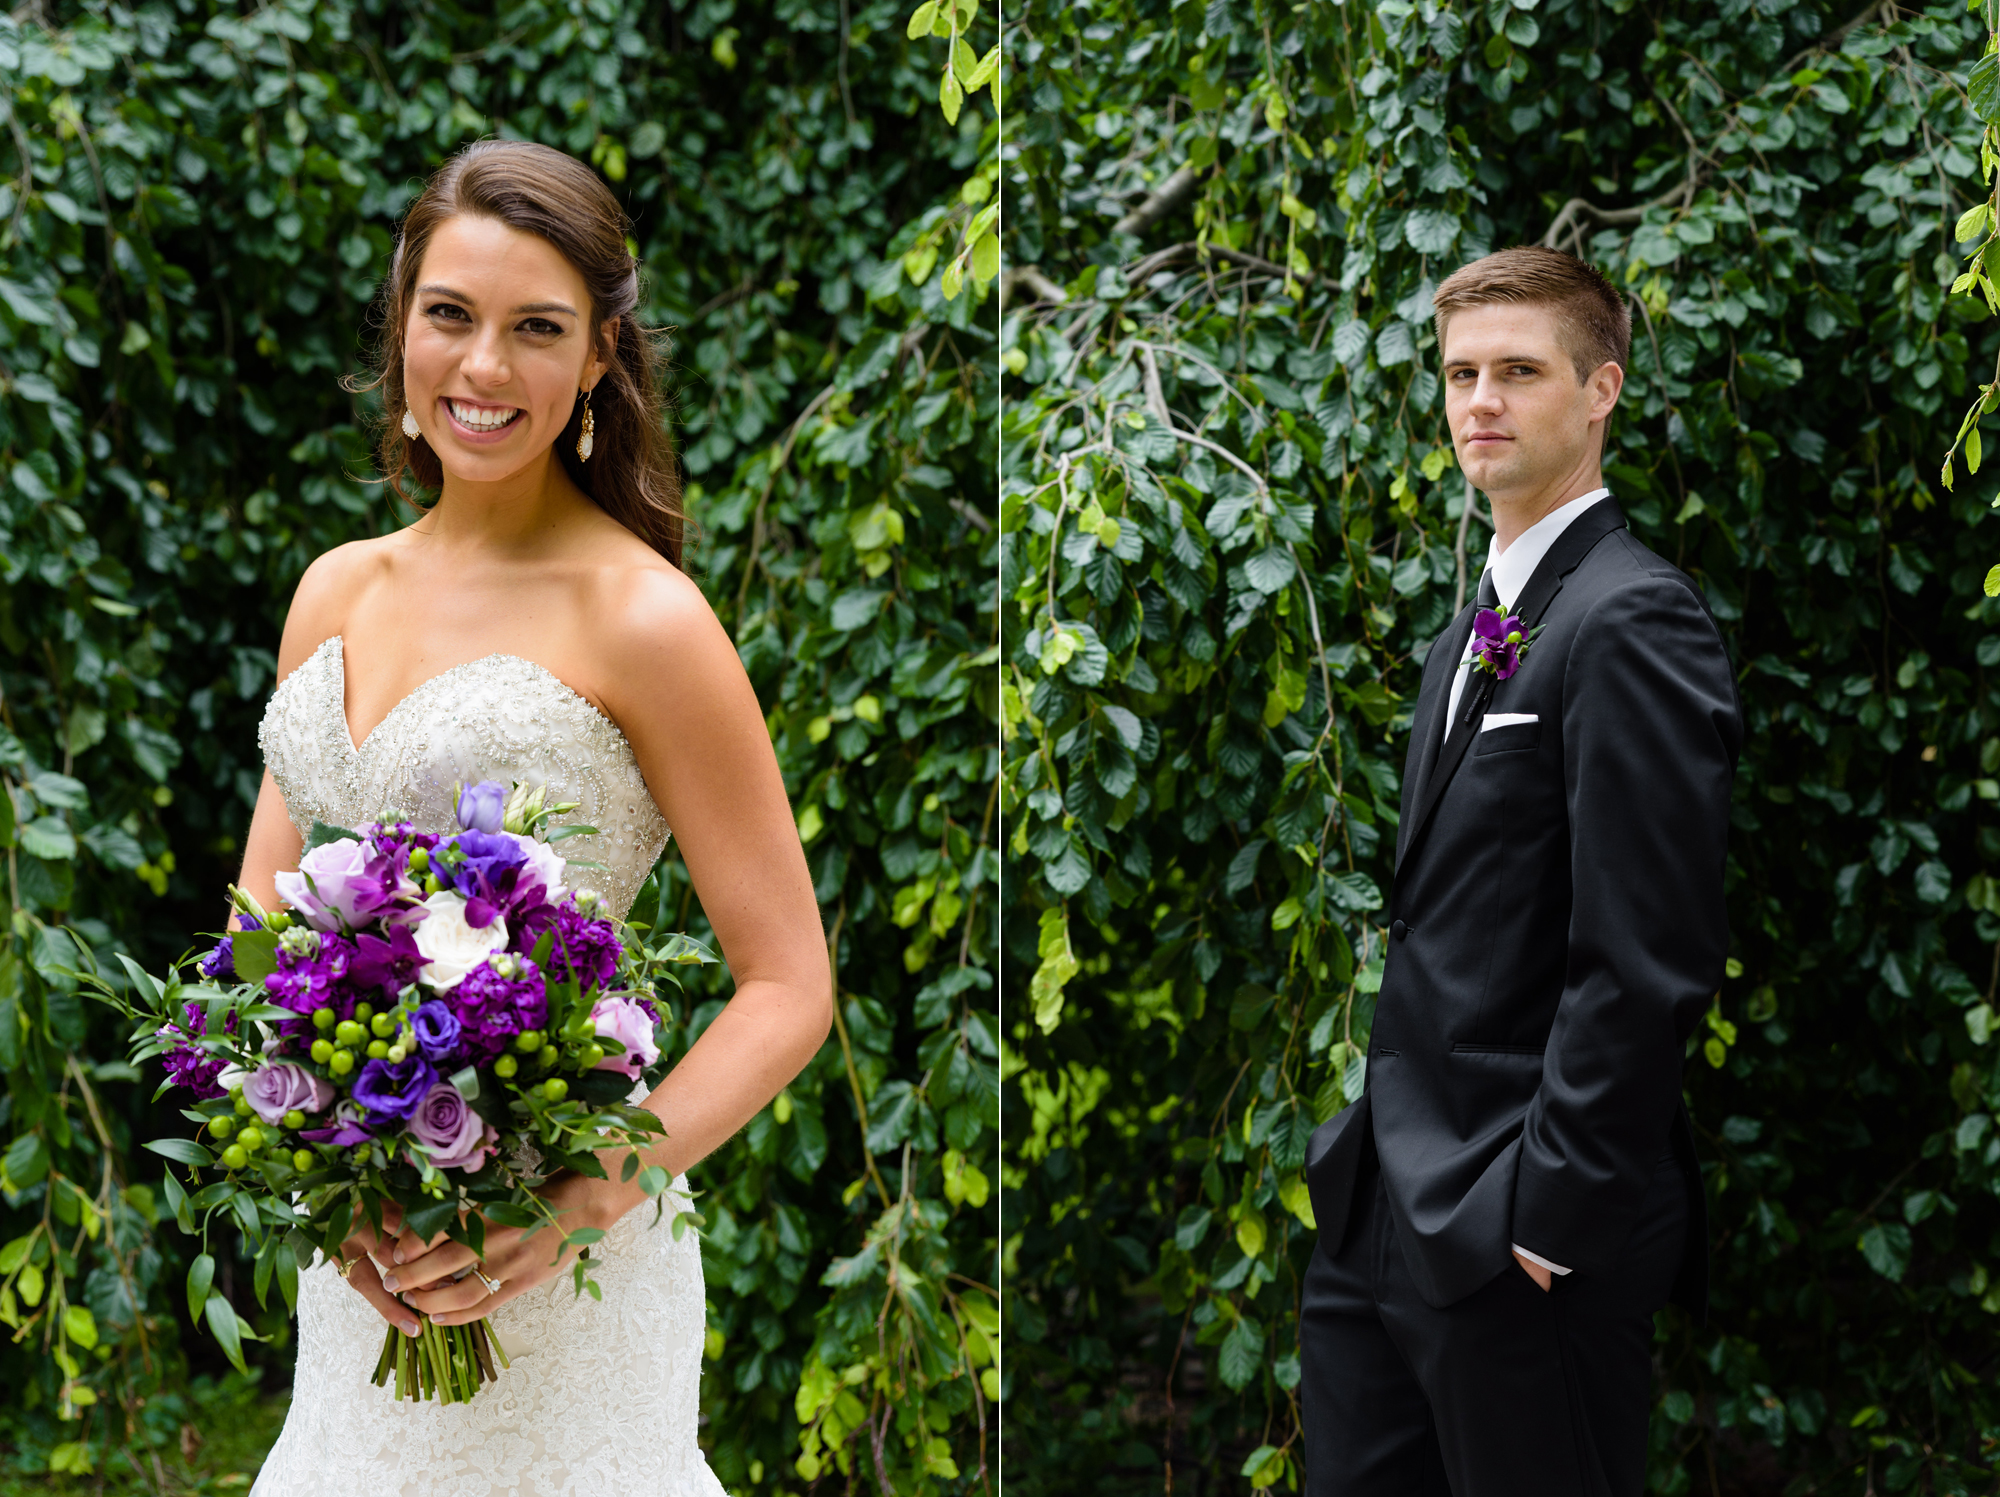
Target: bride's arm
{"type": "Point", "coordinates": [688, 709]}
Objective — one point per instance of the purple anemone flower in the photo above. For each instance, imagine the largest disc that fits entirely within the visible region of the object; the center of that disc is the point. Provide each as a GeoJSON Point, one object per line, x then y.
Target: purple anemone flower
{"type": "Point", "coordinates": [1497, 642]}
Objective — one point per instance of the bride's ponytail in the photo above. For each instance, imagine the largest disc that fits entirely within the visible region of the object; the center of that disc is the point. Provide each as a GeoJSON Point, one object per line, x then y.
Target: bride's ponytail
{"type": "Point", "coordinates": [632, 474]}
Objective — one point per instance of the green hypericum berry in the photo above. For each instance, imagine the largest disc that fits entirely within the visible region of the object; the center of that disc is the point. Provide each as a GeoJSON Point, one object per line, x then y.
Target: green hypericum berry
{"type": "Point", "coordinates": [303, 1160]}
{"type": "Point", "coordinates": [431, 884]}
{"type": "Point", "coordinates": [377, 1049]}
{"type": "Point", "coordinates": [323, 1018]}
{"type": "Point", "coordinates": [222, 1127]}
{"type": "Point", "coordinates": [295, 1120]}
{"type": "Point", "coordinates": [251, 1138]}
{"type": "Point", "coordinates": [242, 1107]}
{"type": "Point", "coordinates": [505, 1066]}
{"type": "Point", "coordinates": [349, 1033]}
{"type": "Point", "coordinates": [592, 1054]}
{"type": "Point", "coordinates": [382, 1025]}
{"type": "Point", "coordinates": [420, 859]}
{"type": "Point", "coordinates": [234, 1157]}
{"type": "Point", "coordinates": [341, 1063]}
{"type": "Point", "coordinates": [528, 1040]}
{"type": "Point", "coordinates": [322, 1051]}
{"type": "Point", "coordinates": [555, 1088]}
{"type": "Point", "coordinates": [363, 1012]}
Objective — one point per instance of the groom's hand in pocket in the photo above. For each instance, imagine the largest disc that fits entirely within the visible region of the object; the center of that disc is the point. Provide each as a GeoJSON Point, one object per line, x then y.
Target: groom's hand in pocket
{"type": "Point", "coordinates": [365, 1250]}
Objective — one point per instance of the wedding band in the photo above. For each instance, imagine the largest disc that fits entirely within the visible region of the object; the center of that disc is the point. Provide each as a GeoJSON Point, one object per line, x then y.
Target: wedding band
{"type": "Point", "coordinates": [343, 1266]}
{"type": "Point", "coordinates": [492, 1285]}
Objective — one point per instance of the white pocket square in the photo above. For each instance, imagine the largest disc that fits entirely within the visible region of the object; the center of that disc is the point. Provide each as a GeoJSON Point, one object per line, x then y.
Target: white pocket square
{"type": "Point", "coordinates": [1494, 720]}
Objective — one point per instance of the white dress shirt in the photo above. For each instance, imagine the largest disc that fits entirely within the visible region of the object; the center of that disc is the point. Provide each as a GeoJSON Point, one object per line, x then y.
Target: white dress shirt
{"type": "Point", "coordinates": [1511, 568]}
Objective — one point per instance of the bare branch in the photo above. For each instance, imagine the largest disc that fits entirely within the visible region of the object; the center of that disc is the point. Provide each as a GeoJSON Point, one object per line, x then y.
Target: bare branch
{"type": "Point", "coordinates": [1031, 277]}
{"type": "Point", "coordinates": [1171, 194]}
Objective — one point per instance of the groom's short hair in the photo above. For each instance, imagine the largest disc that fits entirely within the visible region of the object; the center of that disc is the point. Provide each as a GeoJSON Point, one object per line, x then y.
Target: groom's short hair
{"type": "Point", "coordinates": [1593, 322]}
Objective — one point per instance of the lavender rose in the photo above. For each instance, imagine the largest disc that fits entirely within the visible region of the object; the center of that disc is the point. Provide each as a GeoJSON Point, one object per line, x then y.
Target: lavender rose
{"type": "Point", "coordinates": [278, 1088]}
{"type": "Point", "coordinates": [391, 1089]}
{"type": "Point", "coordinates": [456, 1136]}
{"type": "Point", "coordinates": [482, 807]}
{"type": "Point", "coordinates": [618, 1017]}
{"type": "Point", "coordinates": [350, 883]}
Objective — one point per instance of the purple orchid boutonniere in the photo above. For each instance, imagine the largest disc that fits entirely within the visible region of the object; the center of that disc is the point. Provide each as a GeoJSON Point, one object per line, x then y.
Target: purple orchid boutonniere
{"type": "Point", "coordinates": [1499, 643]}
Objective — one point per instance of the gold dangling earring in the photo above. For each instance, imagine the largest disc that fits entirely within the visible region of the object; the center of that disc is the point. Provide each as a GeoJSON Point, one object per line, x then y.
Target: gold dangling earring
{"type": "Point", "coordinates": [410, 427]}
{"type": "Point", "coordinates": [587, 439]}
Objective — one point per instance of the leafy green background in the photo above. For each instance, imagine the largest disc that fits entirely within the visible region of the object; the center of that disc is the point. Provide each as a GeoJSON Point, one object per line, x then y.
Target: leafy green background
{"type": "Point", "coordinates": [196, 201]}
{"type": "Point", "coordinates": [1231, 527]}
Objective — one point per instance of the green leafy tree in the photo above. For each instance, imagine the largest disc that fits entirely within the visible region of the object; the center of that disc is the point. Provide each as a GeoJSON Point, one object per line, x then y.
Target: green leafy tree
{"type": "Point", "coordinates": [1231, 529]}
{"type": "Point", "coordinates": [197, 204]}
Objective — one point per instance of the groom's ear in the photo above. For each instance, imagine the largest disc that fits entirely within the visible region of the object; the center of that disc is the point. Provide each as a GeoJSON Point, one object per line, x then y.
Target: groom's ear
{"type": "Point", "coordinates": [1604, 384]}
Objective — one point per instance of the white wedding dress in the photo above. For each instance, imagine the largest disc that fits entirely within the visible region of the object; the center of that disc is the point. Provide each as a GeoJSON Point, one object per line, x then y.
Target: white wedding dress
{"type": "Point", "coordinates": [602, 1399]}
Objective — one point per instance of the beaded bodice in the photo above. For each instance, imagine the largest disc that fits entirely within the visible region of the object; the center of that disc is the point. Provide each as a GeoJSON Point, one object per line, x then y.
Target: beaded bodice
{"type": "Point", "coordinates": [497, 718]}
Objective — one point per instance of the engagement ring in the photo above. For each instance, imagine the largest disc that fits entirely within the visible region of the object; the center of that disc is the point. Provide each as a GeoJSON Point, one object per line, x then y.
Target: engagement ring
{"type": "Point", "coordinates": [492, 1285]}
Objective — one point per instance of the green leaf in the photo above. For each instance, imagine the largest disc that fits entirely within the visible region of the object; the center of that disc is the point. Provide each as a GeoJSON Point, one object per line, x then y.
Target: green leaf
{"type": "Point", "coordinates": [227, 1330]}
{"type": "Point", "coordinates": [255, 954]}
{"type": "Point", "coordinates": [183, 1151]}
{"type": "Point", "coordinates": [322, 834]}
{"type": "Point", "coordinates": [1886, 1246]}
{"type": "Point", "coordinates": [1982, 88]}
{"type": "Point", "coordinates": [201, 1274]}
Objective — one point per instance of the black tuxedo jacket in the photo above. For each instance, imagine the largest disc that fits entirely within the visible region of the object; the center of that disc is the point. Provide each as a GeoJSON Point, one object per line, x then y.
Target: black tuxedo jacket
{"type": "Point", "coordinates": [1557, 930]}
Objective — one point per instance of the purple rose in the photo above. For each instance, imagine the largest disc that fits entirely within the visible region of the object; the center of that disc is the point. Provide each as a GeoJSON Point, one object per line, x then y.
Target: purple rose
{"type": "Point", "coordinates": [436, 1029]}
{"type": "Point", "coordinates": [482, 807]}
{"type": "Point", "coordinates": [456, 1137]}
{"type": "Point", "coordinates": [617, 1017]}
{"type": "Point", "coordinates": [1497, 643]}
{"type": "Point", "coordinates": [280, 1087]}
{"type": "Point", "coordinates": [349, 1126]}
{"type": "Point", "coordinates": [391, 1089]}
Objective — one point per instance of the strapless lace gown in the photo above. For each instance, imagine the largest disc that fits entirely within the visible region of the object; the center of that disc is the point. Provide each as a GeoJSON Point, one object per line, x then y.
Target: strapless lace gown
{"type": "Point", "coordinates": [602, 1399]}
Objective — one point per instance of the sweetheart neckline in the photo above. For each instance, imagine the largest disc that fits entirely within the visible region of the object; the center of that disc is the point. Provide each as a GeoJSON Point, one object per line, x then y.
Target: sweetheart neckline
{"type": "Point", "coordinates": [347, 730]}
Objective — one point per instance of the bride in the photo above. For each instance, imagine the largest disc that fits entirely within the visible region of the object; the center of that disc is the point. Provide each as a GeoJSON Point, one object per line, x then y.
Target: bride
{"type": "Point", "coordinates": [534, 625]}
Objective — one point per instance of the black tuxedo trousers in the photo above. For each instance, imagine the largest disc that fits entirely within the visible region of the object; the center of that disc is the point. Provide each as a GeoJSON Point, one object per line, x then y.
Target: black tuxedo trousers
{"type": "Point", "coordinates": [1513, 1391]}
{"type": "Point", "coordinates": [1556, 931]}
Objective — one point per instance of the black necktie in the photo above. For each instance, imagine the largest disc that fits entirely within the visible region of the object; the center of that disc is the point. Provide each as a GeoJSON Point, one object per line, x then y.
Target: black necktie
{"type": "Point", "coordinates": [1478, 683]}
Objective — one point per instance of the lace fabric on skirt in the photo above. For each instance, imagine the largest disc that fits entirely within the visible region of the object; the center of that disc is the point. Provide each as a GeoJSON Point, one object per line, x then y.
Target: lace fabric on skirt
{"type": "Point", "coordinates": [603, 1398]}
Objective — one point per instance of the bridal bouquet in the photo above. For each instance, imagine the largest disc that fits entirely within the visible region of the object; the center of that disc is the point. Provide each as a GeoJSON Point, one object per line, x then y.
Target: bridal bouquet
{"type": "Point", "coordinates": [438, 1022]}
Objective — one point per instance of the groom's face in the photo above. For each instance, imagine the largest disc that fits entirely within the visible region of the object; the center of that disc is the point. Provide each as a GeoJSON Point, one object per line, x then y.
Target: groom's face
{"type": "Point", "coordinates": [1521, 420]}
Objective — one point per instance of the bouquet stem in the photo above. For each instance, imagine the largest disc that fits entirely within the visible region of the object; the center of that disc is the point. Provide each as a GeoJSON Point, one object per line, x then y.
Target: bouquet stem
{"type": "Point", "coordinates": [446, 1363]}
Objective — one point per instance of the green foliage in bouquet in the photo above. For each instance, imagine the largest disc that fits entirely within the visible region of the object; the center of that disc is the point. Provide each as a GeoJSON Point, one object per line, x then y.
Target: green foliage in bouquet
{"type": "Point", "coordinates": [197, 204]}
{"type": "Point", "coordinates": [1232, 527]}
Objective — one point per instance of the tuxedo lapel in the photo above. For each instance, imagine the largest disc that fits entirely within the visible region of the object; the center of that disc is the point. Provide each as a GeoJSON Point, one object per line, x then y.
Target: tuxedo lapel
{"type": "Point", "coordinates": [1426, 734]}
{"type": "Point", "coordinates": [1563, 557]}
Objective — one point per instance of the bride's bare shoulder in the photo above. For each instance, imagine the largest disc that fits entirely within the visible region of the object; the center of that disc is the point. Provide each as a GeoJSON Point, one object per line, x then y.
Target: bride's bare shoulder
{"type": "Point", "coordinates": [654, 623]}
{"type": "Point", "coordinates": [326, 595]}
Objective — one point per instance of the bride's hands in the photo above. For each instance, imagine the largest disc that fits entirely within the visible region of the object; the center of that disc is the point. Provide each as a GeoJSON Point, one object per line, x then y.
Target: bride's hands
{"type": "Point", "coordinates": [363, 1251]}
{"type": "Point", "coordinates": [419, 1273]}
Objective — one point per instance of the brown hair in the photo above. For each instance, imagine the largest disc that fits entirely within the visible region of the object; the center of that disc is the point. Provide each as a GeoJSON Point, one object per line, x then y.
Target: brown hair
{"type": "Point", "coordinates": [632, 475]}
{"type": "Point", "coordinates": [1593, 323]}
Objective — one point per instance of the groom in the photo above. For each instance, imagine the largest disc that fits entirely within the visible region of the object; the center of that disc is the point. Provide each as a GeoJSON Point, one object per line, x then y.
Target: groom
{"type": "Point", "coordinates": [1516, 1193]}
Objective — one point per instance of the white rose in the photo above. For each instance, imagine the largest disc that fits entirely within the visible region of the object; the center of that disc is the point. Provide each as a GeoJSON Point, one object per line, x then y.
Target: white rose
{"type": "Point", "coordinates": [545, 865]}
{"type": "Point", "coordinates": [451, 946]}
